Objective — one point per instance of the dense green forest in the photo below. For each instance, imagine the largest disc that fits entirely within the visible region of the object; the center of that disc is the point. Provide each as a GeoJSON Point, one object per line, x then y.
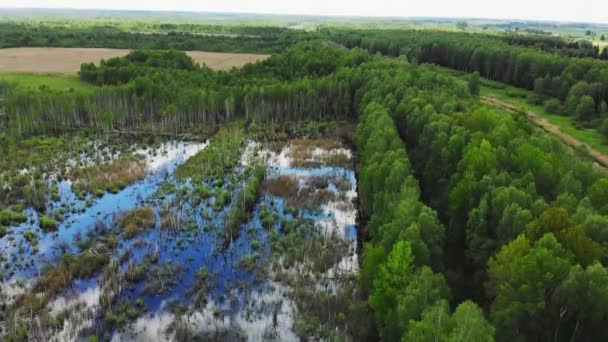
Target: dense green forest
{"type": "Point", "coordinates": [475, 225]}
{"type": "Point", "coordinates": [577, 87]}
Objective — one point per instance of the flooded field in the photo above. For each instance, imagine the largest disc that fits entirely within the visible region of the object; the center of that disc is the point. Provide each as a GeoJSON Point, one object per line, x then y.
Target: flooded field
{"type": "Point", "coordinates": [258, 252]}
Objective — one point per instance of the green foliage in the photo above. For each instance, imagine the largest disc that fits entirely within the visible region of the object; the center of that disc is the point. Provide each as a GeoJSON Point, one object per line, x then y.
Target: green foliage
{"type": "Point", "coordinates": [172, 95]}
{"type": "Point", "coordinates": [474, 84]}
{"type": "Point", "coordinates": [490, 176]}
{"type": "Point", "coordinates": [244, 200]}
{"type": "Point", "coordinates": [553, 106]}
{"type": "Point", "coordinates": [556, 221]}
{"type": "Point", "coordinates": [48, 223]}
{"type": "Point", "coordinates": [598, 194]}
{"type": "Point", "coordinates": [392, 277]}
{"type": "Point", "coordinates": [8, 217]}
{"type": "Point", "coordinates": [585, 110]}
{"type": "Point", "coordinates": [220, 156]}
{"type": "Point", "coordinates": [467, 323]}
{"type": "Point", "coordinates": [31, 237]}
{"type": "Point", "coordinates": [524, 279]}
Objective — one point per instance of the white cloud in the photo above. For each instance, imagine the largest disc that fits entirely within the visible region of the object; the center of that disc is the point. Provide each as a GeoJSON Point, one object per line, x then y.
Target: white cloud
{"type": "Point", "coordinates": [563, 10]}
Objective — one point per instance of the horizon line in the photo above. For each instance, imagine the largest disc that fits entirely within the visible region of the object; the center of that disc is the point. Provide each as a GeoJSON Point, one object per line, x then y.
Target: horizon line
{"type": "Point", "coordinates": [329, 16]}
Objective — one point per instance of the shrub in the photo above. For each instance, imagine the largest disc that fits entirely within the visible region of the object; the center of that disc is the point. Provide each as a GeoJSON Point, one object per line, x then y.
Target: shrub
{"type": "Point", "coordinates": [9, 217]}
{"type": "Point", "coordinates": [554, 106]}
{"type": "Point", "coordinates": [48, 223]}
{"type": "Point", "coordinates": [31, 237]}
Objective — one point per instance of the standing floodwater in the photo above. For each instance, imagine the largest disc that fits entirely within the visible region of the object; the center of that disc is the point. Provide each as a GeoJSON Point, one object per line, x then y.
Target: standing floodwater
{"type": "Point", "coordinates": [183, 262]}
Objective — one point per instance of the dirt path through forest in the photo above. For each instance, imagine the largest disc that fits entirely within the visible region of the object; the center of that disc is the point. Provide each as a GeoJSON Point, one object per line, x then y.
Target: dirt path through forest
{"type": "Point", "coordinates": [543, 123]}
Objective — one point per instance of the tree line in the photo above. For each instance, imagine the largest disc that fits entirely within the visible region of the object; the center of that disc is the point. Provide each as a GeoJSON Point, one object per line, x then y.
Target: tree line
{"type": "Point", "coordinates": [247, 39]}
{"type": "Point", "coordinates": [576, 86]}
{"type": "Point", "coordinates": [165, 91]}
{"type": "Point", "coordinates": [569, 48]}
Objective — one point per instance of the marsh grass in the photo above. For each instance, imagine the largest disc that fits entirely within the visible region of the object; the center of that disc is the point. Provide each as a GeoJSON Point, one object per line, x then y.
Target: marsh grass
{"type": "Point", "coordinates": [48, 223]}
{"type": "Point", "coordinates": [311, 153]}
{"type": "Point", "coordinates": [200, 289]}
{"type": "Point", "coordinates": [56, 278]}
{"type": "Point", "coordinates": [243, 202]}
{"type": "Point", "coordinates": [136, 221]}
{"type": "Point", "coordinates": [303, 258]}
{"type": "Point", "coordinates": [112, 177]}
{"type": "Point", "coordinates": [123, 312]}
{"type": "Point", "coordinates": [220, 156]}
{"type": "Point", "coordinates": [31, 237]}
{"type": "Point", "coordinates": [283, 186]}
{"type": "Point", "coordinates": [161, 278]}
{"type": "Point", "coordinates": [10, 217]}
{"type": "Point", "coordinates": [313, 193]}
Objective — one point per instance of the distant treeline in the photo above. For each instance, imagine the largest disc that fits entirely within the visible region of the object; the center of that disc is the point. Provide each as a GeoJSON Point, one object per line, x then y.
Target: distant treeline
{"type": "Point", "coordinates": [578, 48]}
{"type": "Point", "coordinates": [578, 86]}
{"type": "Point", "coordinates": [245, 39]}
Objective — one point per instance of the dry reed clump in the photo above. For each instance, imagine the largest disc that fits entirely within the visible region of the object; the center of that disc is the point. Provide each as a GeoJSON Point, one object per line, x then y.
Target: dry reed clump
{"type": "Point", "coordinates": [335, 158]}
{"type": "Point", "coordinates": [283, 186]}
{"type": "Point", "coordinates": [111, 177]}
{"type": "Point", "coordinates": [302, 149]}
{"type": "Point", "coordinates": [314, 193]}
{"type": "Point", "coordinates": [323, 143]}
{"type": "Point", "coordinates": [169, 220]}
{"type": "Point", "coordinates": [305, 153]}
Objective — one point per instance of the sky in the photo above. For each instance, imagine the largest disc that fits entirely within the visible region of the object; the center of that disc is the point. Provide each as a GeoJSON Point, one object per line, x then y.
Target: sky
{"type": "Point", "coordinates": [559, 10]}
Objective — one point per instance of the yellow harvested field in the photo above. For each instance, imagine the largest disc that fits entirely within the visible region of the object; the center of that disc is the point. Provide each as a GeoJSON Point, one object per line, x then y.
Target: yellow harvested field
{"type": "Point", "coordinates": [68, 60]}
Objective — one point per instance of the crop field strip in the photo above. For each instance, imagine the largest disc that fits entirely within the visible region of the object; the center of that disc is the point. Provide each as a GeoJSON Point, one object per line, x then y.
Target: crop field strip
{"type": "Point", "coordinates": [68, 60]}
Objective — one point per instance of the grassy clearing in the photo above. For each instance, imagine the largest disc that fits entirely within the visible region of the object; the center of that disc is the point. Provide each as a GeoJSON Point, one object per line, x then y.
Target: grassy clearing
{"type": "Point", "coordinates": [51, 81]}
